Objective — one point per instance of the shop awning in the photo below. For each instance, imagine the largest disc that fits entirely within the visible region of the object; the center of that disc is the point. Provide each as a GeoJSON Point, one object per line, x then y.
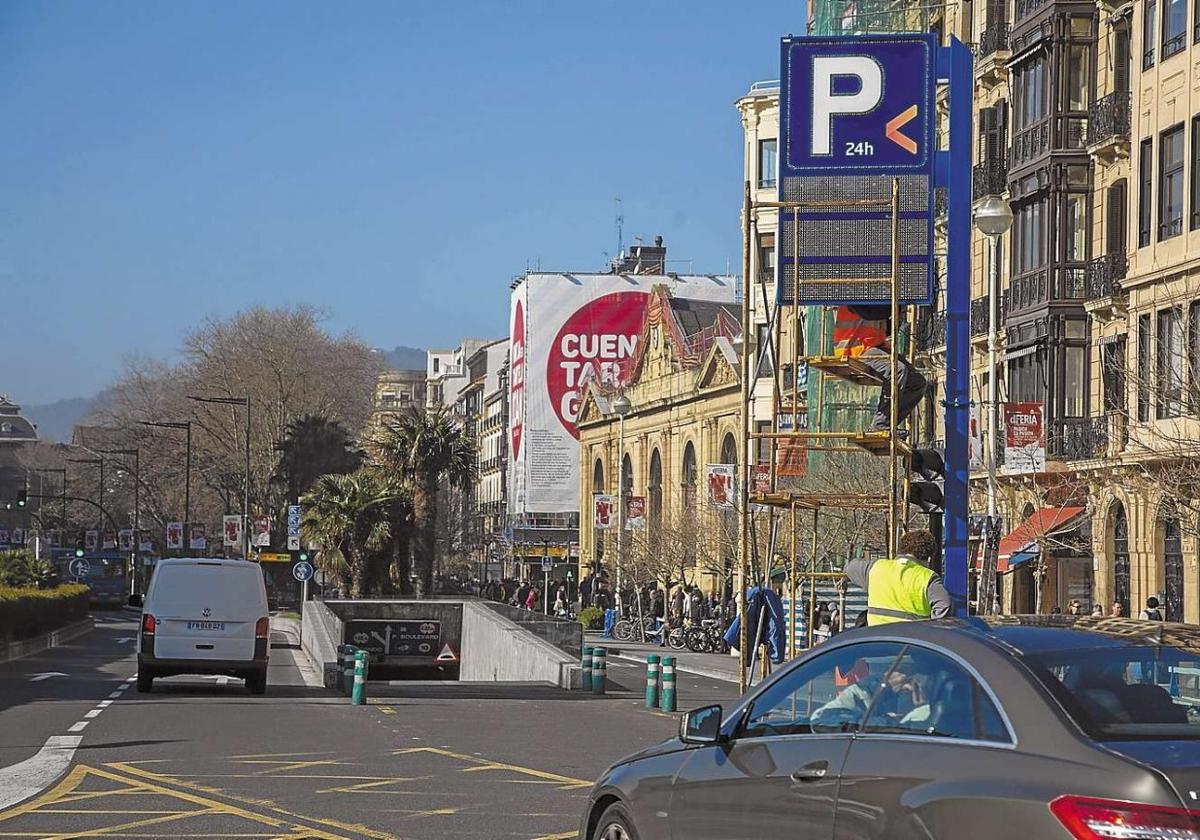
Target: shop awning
{"type": "Point", "coordinates": [1021, 543]}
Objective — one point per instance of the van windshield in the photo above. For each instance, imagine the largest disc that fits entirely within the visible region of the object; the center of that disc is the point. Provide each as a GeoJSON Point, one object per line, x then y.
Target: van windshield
{"type": "Point", "coordinates": [228, 590]}
{"type": "Point", "coordinates": [1121, 693]}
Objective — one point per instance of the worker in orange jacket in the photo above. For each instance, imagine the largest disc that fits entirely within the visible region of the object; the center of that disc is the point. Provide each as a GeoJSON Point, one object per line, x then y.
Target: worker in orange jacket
{"type": "Point", "coordinates": [864, 333]}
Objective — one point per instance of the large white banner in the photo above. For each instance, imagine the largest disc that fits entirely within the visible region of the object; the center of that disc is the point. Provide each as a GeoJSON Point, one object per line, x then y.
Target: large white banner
{"type": "Point", "coordinates": [566, 329]}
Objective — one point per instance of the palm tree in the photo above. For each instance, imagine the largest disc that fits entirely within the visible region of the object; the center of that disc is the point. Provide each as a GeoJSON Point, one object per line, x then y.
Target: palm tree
{"type": "Point", "coordinates": [347, 516]}
{"type": "Point", "coordinates": [313, 446]}
{"type": "Point", "coordinates": [397, 576]}
{"type": "Point", "coordinates": [427, 448]}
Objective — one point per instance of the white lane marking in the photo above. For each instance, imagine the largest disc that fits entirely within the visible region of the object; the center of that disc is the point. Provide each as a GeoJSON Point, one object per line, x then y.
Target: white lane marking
{"type": "Point", "coordinates": [78, 726]}
{"type": "Point", "coordinates": [222, 680]}
{"type": "Point", "coordinates": [114, 695]}
{"type": "Point", "coordinates": [31, 776]}
{"type": "Point", "coordinates": [122, 687]}
{"type": "Point", "coordinates": [103, 704]}
{"type": "Point", "coordinates": [130, 679]}
{"type": "Point", "coordinates": [92, 713]}
{"type": "Point", "coordinates": [45, 675]}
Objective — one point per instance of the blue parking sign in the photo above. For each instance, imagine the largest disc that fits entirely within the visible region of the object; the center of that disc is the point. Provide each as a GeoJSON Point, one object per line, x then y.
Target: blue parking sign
{"type": "Point", "coordinates": [863, 104]}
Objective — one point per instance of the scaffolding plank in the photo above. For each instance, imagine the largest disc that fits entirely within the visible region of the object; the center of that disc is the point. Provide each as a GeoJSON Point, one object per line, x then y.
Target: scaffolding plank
{"type": "Point", "coordinates": [879, 443]}
{"type": "Point", "coordinates": [852, 370]}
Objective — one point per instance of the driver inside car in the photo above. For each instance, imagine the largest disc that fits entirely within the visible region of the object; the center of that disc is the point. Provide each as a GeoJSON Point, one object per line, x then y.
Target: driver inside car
{"type": "Point", "coordinates": [898, 696]}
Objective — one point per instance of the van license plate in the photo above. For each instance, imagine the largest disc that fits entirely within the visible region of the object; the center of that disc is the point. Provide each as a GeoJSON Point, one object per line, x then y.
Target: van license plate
{"type": "Point", "coordinates": [206, 625]}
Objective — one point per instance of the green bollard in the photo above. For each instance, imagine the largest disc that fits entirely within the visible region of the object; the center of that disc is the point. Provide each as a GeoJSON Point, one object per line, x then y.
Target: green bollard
{"type": "Point", "coordinates": [359, 697]}
{"type": "Point", "coordinates": [668, 684]}
{"type": "Point", "coordinates": [347, 669]}
{"type": "Point", "coordinates": [599, 670]}
{"type": "Point", "coordinates": [652, 681]}
{"type": "Point", "coordinates": [585, 670]}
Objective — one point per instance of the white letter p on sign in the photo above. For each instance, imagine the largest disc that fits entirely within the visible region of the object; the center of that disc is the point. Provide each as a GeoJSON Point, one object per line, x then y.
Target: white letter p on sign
{"type": "Point", "coordinates": [827, 104]}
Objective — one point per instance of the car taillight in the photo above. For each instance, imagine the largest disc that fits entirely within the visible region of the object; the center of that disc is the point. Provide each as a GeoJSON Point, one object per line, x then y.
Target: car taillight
{"type": "Point", "coordinates": [1100, 819]}
{"type": "Point", "coordinates": [262, 628]}
{"type": "Point", "coordinates": [148, 623]}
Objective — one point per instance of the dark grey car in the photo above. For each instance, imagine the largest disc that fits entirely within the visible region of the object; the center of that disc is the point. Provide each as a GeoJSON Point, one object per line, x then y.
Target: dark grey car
{"type": "Point", "coordinates": [1032, 727]}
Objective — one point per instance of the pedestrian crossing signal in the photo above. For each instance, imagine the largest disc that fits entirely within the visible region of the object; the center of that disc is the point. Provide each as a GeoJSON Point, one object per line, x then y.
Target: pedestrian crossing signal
{"type": "Point", "coordinates": [22, 497]}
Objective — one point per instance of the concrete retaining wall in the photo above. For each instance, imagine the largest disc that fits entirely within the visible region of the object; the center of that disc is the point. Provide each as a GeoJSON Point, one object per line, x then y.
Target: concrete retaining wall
{"type": "Point", "coordinates": [322, 633]}
{"type": "Point", "coordinates": [28, 647]}
{"type": "Point", "coordinates": [498, 650]}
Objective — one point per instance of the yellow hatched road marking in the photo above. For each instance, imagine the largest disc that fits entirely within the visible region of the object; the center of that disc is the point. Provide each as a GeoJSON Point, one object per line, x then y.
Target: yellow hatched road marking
{"type": "Point", "coordinates": [566, 782]}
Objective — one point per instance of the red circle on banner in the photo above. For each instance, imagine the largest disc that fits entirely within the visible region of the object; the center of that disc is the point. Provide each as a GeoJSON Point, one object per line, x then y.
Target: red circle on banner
{"type": "Point", "coordinates": [597, 341]}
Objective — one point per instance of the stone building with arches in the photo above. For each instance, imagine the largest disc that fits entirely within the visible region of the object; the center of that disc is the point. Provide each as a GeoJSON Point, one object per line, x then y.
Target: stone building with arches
{"type": "Point", "coordinates": [683, 388]}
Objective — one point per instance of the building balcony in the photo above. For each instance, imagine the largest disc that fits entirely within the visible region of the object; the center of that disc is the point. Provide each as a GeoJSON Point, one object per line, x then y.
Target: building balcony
{"type": "Point", "coordinates": [1025, 8]}
{"type": "Point", "coordinates": [979, 318]}
{"type": "Point", "coordinates": [1029, 290]}
{"type": "Point", "coordinates": [1087, 438]}
{"type": "Point", "coordinates": [1109, 121]}
{"type": "Point", "coordinates": [1063, 132]}
{"type": "Point", "coordinates": [1031, 143]}
{"type": "Point", "coordinates": [989, 177]}
{"type": "Point", "coordinates": [930, 333]}
{"type": "Point", "coordinates": [991, 63]}
{"type": "Point", "coordinates": [1105, 299]}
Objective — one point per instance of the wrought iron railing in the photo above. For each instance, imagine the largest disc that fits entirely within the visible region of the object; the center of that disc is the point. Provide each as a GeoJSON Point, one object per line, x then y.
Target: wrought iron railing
{"type": "Point", "coordinates": [994, 38]}
{"type": "Point", "coordinates": [1109, 117]}
{"type": "Point", "coordinates": [1028, 289]}
{"type": "Point", "coordinates": [979, 313]}
{"type": "Point", "coordinates": [1104, 276]}
{"type": "Point", "coordinates": [1028, 7]}
{"type": "Point", "coordinates": [1079, 439]}
{"type": "Point", "coordinates": [1031, 142]}
{"type": "Point", "coordinates": [989, 177]}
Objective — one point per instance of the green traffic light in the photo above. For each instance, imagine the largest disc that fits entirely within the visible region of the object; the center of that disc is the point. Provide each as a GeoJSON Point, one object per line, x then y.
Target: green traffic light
{"type": "Point", "coordinates": [79, 552]}
{"type": "Point", "coordinates": [304, 555]}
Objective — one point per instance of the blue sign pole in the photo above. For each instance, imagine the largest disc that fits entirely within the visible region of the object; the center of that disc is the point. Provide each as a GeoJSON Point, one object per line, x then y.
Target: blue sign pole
{"type": "Point", "coordinates": [954, 173]}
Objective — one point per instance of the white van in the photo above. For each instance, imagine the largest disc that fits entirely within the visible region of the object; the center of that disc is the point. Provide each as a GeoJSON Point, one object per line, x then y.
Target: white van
{"type": "Point", "coordinates": [205, 616]}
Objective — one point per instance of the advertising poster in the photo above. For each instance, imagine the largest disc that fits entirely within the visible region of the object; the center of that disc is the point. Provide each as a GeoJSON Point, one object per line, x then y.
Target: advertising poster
{"type": "Point", "coordinates": [91, 540]}
{"type": "Point", "coordinates": [604, 511]}
{"type": "Point", "coordinates": [761, 476]}
{"type": "Point", "coordinates": [260, 535]}
{"type": "Point", "coordinates": [125, 539]}
{"type": "Point", "coordinates": [1024, 438]}
{"type": "Point", "coordinates": [174, 535]}
{"type": "Point", "coordinates": [197, 539]}
{"type": "Point", "coordinates": [635, 513]}
{"type": "Point", "coordinates": [231, 527]}
{"type": "Point", "coordinates": [719, 479]}
{"type": "Point", "coordinates": [145, 543]}
{"type": "Point", "coordinates": [564, 331]}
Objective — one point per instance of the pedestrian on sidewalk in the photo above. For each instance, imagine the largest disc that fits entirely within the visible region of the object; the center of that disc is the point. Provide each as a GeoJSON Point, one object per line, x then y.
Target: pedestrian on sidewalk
{"type": "Point", "coordinates": [531, 598]}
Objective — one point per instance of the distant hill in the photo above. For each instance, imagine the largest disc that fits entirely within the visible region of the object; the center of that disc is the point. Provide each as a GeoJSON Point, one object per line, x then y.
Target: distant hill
{"type": "Point", "coordinates": [55, 421]}
{"type": "Point", "coordinates": [404, 358]}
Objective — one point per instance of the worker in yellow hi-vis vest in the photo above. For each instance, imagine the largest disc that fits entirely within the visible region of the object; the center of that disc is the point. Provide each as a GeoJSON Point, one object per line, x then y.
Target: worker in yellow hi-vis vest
{"type": "Point", "coordinates": [902, 588]}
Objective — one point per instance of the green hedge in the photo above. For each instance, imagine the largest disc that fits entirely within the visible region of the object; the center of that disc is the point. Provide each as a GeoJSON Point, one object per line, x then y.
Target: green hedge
{"type": "Point", "coordinates": [592, 618]}
{"type": "Point", "coordinates": [25, 613]}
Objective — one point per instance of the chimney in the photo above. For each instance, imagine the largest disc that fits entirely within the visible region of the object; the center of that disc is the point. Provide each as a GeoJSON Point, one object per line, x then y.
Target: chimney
{"type": "Point", "coordinates": [643, 259]}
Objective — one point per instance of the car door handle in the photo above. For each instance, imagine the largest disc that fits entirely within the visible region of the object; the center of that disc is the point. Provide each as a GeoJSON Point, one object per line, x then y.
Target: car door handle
{"type": "Point", "coordinates": [811, 772]}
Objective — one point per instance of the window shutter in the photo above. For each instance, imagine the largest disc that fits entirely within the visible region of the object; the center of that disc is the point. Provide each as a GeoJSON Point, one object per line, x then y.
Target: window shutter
{"type": "Point", "coordinates": [1115, 234]}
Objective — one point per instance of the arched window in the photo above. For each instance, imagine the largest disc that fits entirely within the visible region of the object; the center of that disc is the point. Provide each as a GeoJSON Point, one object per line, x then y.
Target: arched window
{"type": "Point", "coordinates": [654, 489]}
{"type": "Point", "coordinates": [598, 487]}
{"type": "Point", "coordinates": [729, 450]}
{"type": "Point", "coordinates": [627, 476]}
{"type": "Point", "coordinates": [1120, 556]}
{"type": "Point", "coordinates": [1173, 569]}
{"type": "Point", "coordinates": [688, 477]}
{"type": "Point", "coordinates": [598, 477]}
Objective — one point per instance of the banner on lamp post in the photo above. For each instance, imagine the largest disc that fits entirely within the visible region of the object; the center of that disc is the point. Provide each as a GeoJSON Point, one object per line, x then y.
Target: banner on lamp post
{"type": "Point", "coordinates": [91, 539]}
{"type": "Point", "coordinates": [174, 535]}
{"type": "Point", "coordinates": [260, 532]}
{"type": "Point", "coordinates": [125, 539]}
{"type": "Point", "coordinates": [719, 479]}
{"type": "Point", "coordinates": [1024, 437]}
{"type": "Point", "coordinates": [197, 537]}
{"type": "Point", "coordinates": [231, 529]}
{"type": "Point", "coordinates": [635, 512]}
{"type": "Point", "coordinates": [604, 508]}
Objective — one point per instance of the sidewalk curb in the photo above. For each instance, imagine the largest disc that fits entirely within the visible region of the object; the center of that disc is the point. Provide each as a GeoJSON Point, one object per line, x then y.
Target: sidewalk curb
{"type": "Point", "coordinates": [290, 627]}
{"type": "Point", "coordinates": [710, 673]}
{"type": "Point", "coordinates": [28, 647]}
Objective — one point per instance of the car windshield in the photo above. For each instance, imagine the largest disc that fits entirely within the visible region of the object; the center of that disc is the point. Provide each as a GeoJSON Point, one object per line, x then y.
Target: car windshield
{"type": "Point", "coordinates": [1126, 692]}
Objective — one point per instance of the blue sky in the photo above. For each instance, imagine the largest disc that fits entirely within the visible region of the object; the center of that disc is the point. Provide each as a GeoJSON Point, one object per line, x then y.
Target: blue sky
{"type": "Point", "coordinates": [397, 163]}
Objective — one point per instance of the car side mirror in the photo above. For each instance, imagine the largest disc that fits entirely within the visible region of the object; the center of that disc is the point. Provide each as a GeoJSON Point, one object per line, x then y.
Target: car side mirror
{"type": "Point", "coordinates": [701, 726]}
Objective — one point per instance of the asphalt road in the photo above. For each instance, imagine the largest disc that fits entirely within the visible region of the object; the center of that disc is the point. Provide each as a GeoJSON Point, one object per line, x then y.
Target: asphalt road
{"type": "Point", "coordinates": [202, 759]}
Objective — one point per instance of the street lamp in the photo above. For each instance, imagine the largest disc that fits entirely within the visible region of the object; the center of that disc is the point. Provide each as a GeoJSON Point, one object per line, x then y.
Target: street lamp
{"type": "Point", "coordinates": [993, 217]}
{"type": "Point", "coordinates": [620, 407]}
{"type": "Point", "coordinates": [246, 485]}
{"type": "Point", "coordinates": [64, 488]}
{"type": "Point", "coordinates": [100, 498]}
{"type": "Point", "coordinates": [137, 499]}
{"type": "Point", "coordinates": [187, 471]}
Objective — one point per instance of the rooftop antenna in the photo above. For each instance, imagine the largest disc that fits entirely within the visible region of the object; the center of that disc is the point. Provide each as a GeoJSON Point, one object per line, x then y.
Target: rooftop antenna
{"type": "Point", "coordinates": [620, 220]}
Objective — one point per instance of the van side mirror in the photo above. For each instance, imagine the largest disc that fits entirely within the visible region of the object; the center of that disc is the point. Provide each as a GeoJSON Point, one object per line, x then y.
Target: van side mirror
{"type": "Point", "coordinates": [701, 726]}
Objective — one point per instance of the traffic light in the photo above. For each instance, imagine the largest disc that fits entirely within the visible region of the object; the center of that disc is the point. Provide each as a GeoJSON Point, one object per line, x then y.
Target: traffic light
{"type": "Point", "coordinates": [304, 556]}
{"type": "Point", "coordinates": [79, 544]}
{"type": "Point", "coordinates": [23, 497]}
{"type": "Point", "coordinates": [929, 476]}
